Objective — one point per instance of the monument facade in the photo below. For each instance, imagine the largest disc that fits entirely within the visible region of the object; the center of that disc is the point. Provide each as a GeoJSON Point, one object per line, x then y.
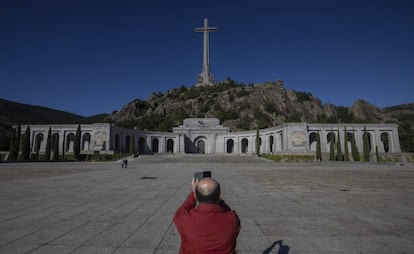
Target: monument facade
{"type": "Point", "coordinates": [207, 136]}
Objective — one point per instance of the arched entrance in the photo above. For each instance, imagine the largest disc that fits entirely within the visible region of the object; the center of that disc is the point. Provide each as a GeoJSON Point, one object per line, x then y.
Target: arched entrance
{"type": "Point", "coordinates": [128, 144]}
{"type": "Point", "coordinates": [141, 145]}
{"type": "Point", "coordinates": [230, 146]}
{"type": "Point", "coordinates": [38, 143]}
{"type": "Point", "coordinates": [244, 145]}
{"type": "Point", "coordinates": [170, 146]}
{"type": "Point", "coordinates": [70, 142]}
{"type": "Point", "coordinates": [86, 140]}
{"type": "Point", "coordinates": [312, 141]}
{"type": "Point", "coordinates": [117, 143]}
{"type": "Point", "coordinates": [271, 143]}
{"type": "Point", "coordinates": [385, 141]}
{"type": "Point", "coordinates": [155, 145]}
{"type": "Point", "coordinates": [200, 145]}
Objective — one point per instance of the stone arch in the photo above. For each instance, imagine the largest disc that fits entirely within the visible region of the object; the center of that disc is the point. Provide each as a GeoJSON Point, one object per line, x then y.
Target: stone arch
{"type": "Point", "coordinates": [155, 145]}
{"type": "Point", "coordinates": [312, 141]}
{"type": "Point", "coordinates": [385, 139]}
{"type": "Point", "coordinates": [141, 145]}
{"type": "Point", "coordinates": [170, 145]}
{"type": "Point", "coordinates": [244, 145]}
{"type": "Point", "coordinates": [230, 146]}
{"type": "Point", "coordinates": [70, 142]}
{"type": "Point", "coordinates": [271, 143]}
{"type": "Point", "coordinates": [127, 144]}
{"type": "Point", "coordinates": [38, 142]}
{"type": "Point", "coordinates": [200, 144]}
{"type": "Point", "coordinates": [330, 137]}
{"type": "Point", "coordinates": [117, 143]}
{"type": "Point", "coordinates": [86, 140]}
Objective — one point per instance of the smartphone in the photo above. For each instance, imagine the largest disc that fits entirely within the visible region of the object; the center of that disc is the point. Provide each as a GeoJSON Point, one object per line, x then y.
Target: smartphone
{"type": "Point", "coordinates": [202, 174]}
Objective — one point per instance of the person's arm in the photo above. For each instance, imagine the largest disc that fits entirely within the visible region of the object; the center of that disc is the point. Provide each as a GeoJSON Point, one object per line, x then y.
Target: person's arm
{"type": "Point", "coordinates": [189, 203]}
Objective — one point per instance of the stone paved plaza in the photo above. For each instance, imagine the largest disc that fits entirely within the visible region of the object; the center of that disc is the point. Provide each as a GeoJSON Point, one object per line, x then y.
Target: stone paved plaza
{"type": "Point", "coordinates": [284, 208]}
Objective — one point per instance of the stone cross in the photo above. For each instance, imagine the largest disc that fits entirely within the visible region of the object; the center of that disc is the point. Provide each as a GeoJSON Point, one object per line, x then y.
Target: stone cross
{"type": "Point", "coordinates": [205, 77]}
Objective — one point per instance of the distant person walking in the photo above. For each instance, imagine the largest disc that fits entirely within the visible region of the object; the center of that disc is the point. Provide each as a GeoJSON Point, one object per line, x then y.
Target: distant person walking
{"type": "Point", "coordinates": [210, 227]}
{"type": "Point", "coordinates": [124, 163]}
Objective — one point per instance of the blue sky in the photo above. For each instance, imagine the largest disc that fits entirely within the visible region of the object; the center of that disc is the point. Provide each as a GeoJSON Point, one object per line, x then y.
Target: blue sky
{"type": "Point", "coordinates": [89, 57]}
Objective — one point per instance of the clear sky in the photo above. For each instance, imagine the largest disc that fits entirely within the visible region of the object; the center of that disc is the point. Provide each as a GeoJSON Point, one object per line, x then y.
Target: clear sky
{"type": "Point", "coordinates": [89, 57]}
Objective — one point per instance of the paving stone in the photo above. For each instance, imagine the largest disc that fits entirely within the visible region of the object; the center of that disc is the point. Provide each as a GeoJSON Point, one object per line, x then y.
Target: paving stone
{"type": "Point", "coordinates": [306, 207]}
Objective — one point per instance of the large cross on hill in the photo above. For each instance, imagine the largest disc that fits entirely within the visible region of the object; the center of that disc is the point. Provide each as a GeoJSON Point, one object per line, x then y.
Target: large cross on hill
{"type": "Point", "coordinates": [205, 77]}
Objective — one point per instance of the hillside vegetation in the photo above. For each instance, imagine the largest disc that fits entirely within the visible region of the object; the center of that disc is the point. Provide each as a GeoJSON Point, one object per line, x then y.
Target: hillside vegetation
{"type": "Point", "coordinates": [237, 105]}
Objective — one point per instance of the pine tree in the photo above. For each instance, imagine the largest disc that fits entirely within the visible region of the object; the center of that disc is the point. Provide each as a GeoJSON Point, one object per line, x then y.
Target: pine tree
{"type": "Point", "coordinates": [76, 146]}
{"type": "Point", "coordinates": [318, 147]}
{"type": "Point", "coordinates": [17, 142]}
{"type": "Point", "coordinates": [377, 154]}
{"type": "Point", "coordinates": [12, 145]}
{"type": "Point", "coordinates": [355, 152]}
{"type": "Point", "coordinates": [26, 144]}
{"type": "Point", "coordinates": [56, 148]}
{"type": "Point", "coordinates": [331, 147]}
{"type": "Point", "coordinates": [339, 149]}
{"type": "Point", "coordinates": [132, 148]}
{"type": "Point", "coordinates": [48, 144]}
{"type": "Point", "coordinates": [346, 156]}
{"type": "Point", "coordinates": [365, 140]}
{"type": "Point", "coordinates": [257, 141]}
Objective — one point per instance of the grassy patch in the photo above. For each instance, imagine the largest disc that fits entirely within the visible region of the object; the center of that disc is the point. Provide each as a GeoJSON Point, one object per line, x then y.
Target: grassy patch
{"type": "Point", "coordinates": [289, 158]}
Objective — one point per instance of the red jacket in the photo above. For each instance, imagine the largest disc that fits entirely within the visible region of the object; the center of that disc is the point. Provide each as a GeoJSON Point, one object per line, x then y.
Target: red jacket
{"type": "Point", "coordinates": [207, 228]}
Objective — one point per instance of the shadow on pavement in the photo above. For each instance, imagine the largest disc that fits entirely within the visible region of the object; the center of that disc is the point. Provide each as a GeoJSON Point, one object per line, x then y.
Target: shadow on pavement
{"type": "Point", "coordinates": [283, 249]}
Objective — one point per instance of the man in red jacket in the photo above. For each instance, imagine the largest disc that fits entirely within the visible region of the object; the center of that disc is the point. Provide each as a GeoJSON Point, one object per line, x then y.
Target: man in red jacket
{"type": "Point", "coordinates": [210, 227]}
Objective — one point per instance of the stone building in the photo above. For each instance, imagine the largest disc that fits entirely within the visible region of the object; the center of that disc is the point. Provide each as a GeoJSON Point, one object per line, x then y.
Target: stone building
{"type": "Point", "coordinates": [207, 136]}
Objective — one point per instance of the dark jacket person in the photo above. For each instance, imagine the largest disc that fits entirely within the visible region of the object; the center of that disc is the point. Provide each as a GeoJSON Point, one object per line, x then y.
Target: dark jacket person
{"type": "Point", "coordinates": [210, 227]}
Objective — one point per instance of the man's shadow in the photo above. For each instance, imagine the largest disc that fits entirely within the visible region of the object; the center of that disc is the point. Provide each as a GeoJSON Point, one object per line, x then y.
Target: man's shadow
{"type": "Point", "coordinates": [283, 249]}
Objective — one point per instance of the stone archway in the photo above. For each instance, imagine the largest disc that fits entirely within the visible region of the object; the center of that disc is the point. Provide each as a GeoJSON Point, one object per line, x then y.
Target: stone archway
{"type": "Point", "coordinates": [200, 145]}
{"type": "Point", "coordinates": [86, 140]}
{"type": "Point", "coordinates": [141, 145]}
{"type": "Point", "coordinates": [244, 145]}
{"type": "Point", "coordinates": [117, 143]}
{"type": "Point", "coordinates": [38, 143]}
{"type": "Point", "coordinates": [271, 143]}
{"type": "Point", "coordinates": [155, 145]}
{"type": "Point", "coordinates": [230, 146]}
{"type": "Point", "coordinates": [312, 141]}
{"type": "Point", "coordinates": [70, 142]}
{"type": "Point", "coordinates": [170, 145]}
{"type": "Point", "coordinates": [385, 139]}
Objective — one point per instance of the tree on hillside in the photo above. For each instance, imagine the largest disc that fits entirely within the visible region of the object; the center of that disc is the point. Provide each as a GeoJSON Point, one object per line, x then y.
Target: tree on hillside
{"type": "Point", "coordinates": [346, 149]}
{"type": "Point", "coordinates": [48, 144]}
{"type": "Point", "coordinates": [354, 148]}
{"type": "Point", "coordinates": [76, 146]}
{"type": "Point", "coordinates": [365, 140]}
{"type": "Point", "coordinates": [339, 156]}
{"type": "Point", "coordinates": [26, 144]}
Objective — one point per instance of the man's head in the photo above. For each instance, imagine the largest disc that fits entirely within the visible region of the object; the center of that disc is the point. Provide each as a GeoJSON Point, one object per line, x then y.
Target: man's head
{"type": "Point", "coordinates": [208, 191]}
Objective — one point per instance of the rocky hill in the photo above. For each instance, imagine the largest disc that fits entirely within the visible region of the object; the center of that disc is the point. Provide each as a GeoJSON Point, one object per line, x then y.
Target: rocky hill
{"type": "Point", "coordinates": [240, 106]}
